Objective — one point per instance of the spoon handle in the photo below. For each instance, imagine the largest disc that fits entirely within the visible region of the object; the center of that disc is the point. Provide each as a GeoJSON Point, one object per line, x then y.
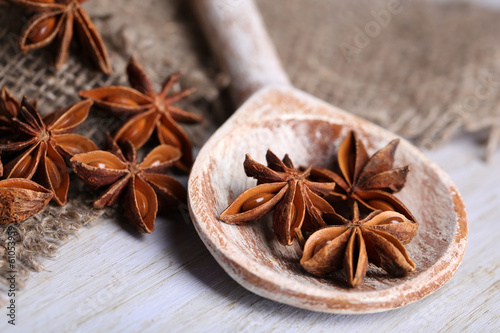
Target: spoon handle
{"type": "Point", "coordinates": [239, 40]}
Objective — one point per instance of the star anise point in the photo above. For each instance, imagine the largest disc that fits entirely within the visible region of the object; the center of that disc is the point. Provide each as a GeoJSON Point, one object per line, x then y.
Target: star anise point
{"type": "Point", "coordinates": [297, 203]}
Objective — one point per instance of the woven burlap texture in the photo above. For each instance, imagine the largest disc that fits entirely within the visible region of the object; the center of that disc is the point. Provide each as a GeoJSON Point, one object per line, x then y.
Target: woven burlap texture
{"type": "Point", "coordinates": [163, 48]}
{"type": "Point", "coordinates": [423, 69]}
{"type": "Point", "coordinates": [428, 71]}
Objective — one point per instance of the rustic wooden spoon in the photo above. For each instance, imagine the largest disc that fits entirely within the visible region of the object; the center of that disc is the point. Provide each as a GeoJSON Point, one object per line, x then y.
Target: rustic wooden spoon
{"type": "Point", "coordinates": [287, 120]}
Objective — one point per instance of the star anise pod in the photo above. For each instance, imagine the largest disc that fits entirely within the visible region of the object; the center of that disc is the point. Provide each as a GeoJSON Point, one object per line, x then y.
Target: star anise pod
{"type": "Point", "coordinates": [141, 184]}
{"type": "Point", "coordinates": [44, 145]}
{"type": "Point", "coordinates": [150, 111]}
{"type": "Point", "coordinates": [20, 199]}
{"type": "Point", "coordinates": [297, 202]}
{"type": "Point", "coordinates": [371, 181]}
{"type": "Point", "coordinates": [58, 19]}
{"type": "Point", "coordinates": [9, 108]}
{"type": "Point", "coordinates": [378, 238]}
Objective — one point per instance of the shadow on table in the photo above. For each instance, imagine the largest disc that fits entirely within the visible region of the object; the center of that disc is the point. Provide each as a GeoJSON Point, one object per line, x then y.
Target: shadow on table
{"type": "Point", "coordinates": [194, 257]}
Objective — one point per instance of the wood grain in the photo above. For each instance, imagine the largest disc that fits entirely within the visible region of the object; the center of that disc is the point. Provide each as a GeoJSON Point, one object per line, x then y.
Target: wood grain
{"type": "Point", "coordinates": [165, 281]}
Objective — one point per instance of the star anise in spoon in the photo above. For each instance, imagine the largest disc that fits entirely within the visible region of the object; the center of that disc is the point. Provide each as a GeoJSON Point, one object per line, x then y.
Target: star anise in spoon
{"type": "Point", "coordinates": [297, 202]}
{"type": "Point", "coordinates": [371, 181]}
{"type": "Point", "coordinates": [44, 144]}
{"type": "Point", "coordinates": [150, 111]}
{"type": "Point", "coordinates": [58, 20]}
{"type": "Point", "coordinates": [140, 185]}
{"type": "Point", "coordinates": [378, 238]}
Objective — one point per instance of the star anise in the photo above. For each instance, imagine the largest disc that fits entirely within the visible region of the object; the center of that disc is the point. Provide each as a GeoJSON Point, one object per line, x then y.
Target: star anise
{"type": "Point", "coordinates": [44, 145]}
{"type": "Point", "coordinates": [56, 19]}
{"type": "Point", "coordinates": [141, 184]}
{"type": "Point", "coordinates": [150, 111]}
{"type": "Point", "coordinates": [378, 238]}
{"type": "Point", "coordinates": [9, 108]}
{"type": "Point", "coordinates": [370, 181]}
{"type": "Point", "coordinates": [20, 199]}
{"type": "Point", "coordinates": [297, 202]}
{"type": "Point", "coordinates": [9, 105]}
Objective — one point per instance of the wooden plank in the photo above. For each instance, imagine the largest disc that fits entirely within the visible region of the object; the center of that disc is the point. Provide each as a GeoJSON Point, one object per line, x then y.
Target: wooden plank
{"type": "Point", "coordinates": [111, 279]}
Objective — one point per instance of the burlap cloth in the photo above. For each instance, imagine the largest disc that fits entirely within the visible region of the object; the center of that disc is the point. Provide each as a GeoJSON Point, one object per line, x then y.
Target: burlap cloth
{"type": "Point", "coordinates": [425, 70]}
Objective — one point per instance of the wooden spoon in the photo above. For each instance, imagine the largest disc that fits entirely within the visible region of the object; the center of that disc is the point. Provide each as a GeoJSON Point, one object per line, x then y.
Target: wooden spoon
{"type": "Point", "coordinates": [287, 120]}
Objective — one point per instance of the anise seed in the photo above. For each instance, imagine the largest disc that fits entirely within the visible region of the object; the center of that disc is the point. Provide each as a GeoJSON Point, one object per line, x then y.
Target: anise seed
{"type": "Point", "coordinates": [53, 172]}
{"type": "Point", "coordinates": [169, 137]}
{"type": "Point", "coordinates": [71, 150]}
{"type": "Point", "coordinates": [101, 163]}
{"type": "Point", "coordinates": [23, 167]}
{"type": "Point", "coordinates": [142, 203]}
{"type": "Point", "coordinates": [68, 120]}
{"type": "Point", "coordinates": [395, 219]}
{"type": "Point", "coordinates": [321, 244]}
{"type": "Point", "coordinates": [118, 99]}
{"type": "Point", "coordinates": [135, 131]}
{"type": "Point", "coordinates": [43, 29]}
{"type": "Point", "coordinates": [256, 200]}
{"type": "Point", "coordinates": [382, 205]}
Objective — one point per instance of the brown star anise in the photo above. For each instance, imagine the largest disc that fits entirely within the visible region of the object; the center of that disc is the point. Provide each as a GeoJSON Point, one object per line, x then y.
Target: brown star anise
{"type": "Point", "coordinates": [141, 184]}
{"type": "Point", "coordinates": [368, 180]}
{"type": "Point", "coordinates": [20, 199]}
{"type": "Point", "coordinates": [9, 108]}
{"type": "Point", "coordinates": [297, 201]}
{"type": "Point", "coordinates": [378, 238]}
{"type": "Point", "coordinates": [150, 111]}
{"type": "Point", "coordinates": [56, 19]}
{"type": "Point", "coordinates": [44, 145]}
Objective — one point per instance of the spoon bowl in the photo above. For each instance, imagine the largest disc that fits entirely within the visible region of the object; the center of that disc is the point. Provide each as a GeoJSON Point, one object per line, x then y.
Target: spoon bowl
{"type": "Point", "coordinates": [286, 120]}
{"type": "Point", "coordinates": [310, 131]}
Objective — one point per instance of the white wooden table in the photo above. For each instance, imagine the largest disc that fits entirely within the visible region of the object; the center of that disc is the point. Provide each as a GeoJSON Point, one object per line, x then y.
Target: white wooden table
{"type": "Point", "coordinates": [109, 279]}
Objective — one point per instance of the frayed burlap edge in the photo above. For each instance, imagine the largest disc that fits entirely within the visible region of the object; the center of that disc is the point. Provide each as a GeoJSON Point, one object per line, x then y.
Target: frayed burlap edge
{"type": "Point", "coordinates": [25, 246]}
